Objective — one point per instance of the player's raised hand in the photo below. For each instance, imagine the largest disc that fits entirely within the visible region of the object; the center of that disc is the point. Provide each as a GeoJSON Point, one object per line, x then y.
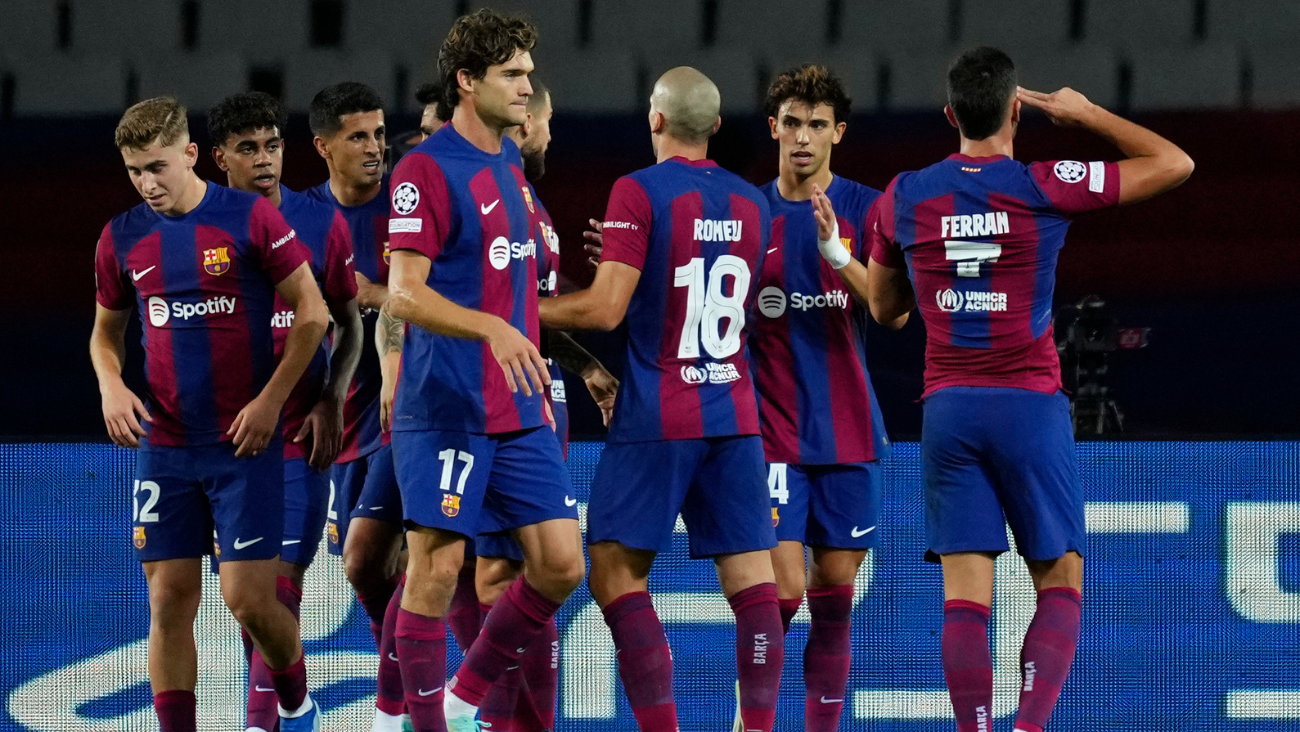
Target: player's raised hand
{"type": "Point", "coordinates": [595, 241]}
{"type": "Point", "coordinates": [254, 427]}
{"type": "Point", "coordinates": [828, 230]}
{"type": "Point", "coordinates": [523, 366]}
{"type": "Point", "coordinates": [325, 425]}
{"type": "Point", "coordinates": [1065, 107]}
{"type": "Point", "coordinates": [123, 411]}
{"type": "Point", "coordinates": [604, 388]}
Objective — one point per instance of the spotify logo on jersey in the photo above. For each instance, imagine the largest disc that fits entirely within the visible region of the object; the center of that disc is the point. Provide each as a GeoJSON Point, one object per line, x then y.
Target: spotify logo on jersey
{"type": "Point", "coordinates": [502, 250]}
{"type": "Point", "coordinates": [771, 302]}
{"type": "Point", "coordinates": [158, 312]}
{"type": "Point", "coordinates": [499, 252]}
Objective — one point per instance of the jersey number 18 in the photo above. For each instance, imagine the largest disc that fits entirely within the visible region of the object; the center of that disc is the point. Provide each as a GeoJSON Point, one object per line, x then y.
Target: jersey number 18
{"type": "Point", "coordinates": [707, 306]}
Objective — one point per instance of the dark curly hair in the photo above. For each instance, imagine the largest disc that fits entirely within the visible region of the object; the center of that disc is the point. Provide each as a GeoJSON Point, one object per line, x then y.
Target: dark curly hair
{"type": "Point", "coordinates": [812, 85]}
{"type": "Point", "coordinates": [244, 112]}
{"type": "Point", "coordinates": [431, 93]}
{"type": "Point", "coordinates": [477, 41]}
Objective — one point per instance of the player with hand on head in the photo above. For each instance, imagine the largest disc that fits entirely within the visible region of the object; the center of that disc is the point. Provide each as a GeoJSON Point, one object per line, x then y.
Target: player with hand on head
{"type": "Point", "coordinates": [978, 235]}
{"type": "Point", "coordinates": [203, 264]}
{"type": "Point", "coordinates": [684, 242]}
{"type": "Point", "coordinates": [823, 435]}
{"type": "Point", "coordinates": [248, 145]}
{"type": "Point", "coordinates": [365, 516]}
{"type": "Point", "coordinates": [471, 442]}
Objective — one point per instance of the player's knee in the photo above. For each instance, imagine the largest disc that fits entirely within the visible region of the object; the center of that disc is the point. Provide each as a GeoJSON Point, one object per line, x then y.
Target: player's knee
{"type": "Point", "coordinates": [563, 573]}
{"type": "Point", "coordinates": [173, 603]}
{"type": "Point", "coordinates": [440, 571]}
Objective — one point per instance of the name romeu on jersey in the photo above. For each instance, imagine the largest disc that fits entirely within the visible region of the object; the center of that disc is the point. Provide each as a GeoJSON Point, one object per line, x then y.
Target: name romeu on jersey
{"type": "Point", "coordinates": [698, 234]}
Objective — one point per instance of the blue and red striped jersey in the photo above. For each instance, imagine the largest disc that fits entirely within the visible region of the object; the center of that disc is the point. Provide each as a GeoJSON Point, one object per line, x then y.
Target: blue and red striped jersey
{"type": "Point", "coordinates": [980, 238]}
{"type": "Point", "coordinates": [204, 283]}
{"type": "Point", "coordinates": [368, 225]}
{"type": "Point", "coordinates": [815, 395]}
{"type": "Point", "coordinates": [323, 231]}
{"type": "Point", "coordinates": [548, 285]}
{"type": "Point", "coordinates": [698, 234]}
{"type": "Point", "coordinates": [474, 216]}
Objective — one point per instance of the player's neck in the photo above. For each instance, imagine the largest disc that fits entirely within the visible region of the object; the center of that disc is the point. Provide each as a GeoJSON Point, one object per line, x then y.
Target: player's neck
{"type": "Point", "coordinates": [992, 146]}
{"type": "Point", "coordinates": [795, 187]}
{"type": "Point", "coordinates": [671, 147]}
{"type": "Point", "coordinates": [195, 189]}
{"type": "Point", "coordinates": [466, 121]}
{"type": "Point", "coordinates": [271, 194]}
{"type": "Point", "coordinates": [350, 194]}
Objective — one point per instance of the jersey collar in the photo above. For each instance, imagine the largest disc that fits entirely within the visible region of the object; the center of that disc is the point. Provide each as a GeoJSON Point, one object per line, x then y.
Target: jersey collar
{"type": "Point", "coordinates": [968, 159]}
{"type": "Point", "coordinates": [701, 163]}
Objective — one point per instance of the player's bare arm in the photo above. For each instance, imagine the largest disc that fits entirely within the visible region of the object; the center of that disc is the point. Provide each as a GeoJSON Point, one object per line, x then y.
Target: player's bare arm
{"type": "Point", "coordinates": [575, 359]}
{"type": "Point", "coordinates": [1154, 164]}
{"type": "Point", "coordinates": [123, 410]}
{"type": "Point", "coordinates": [370, 296]}
{"type": "Point", "coordinates": [325, 422]}
{"type": "Point", "coordinates": [891, 297]}
{"type": "Point", "coordinates": [390, 336]}
{"type": "Point", "coordinates": [599, 307]}
{"type": "Point", "coordinates": [256, 424]}
{"type": "Point", "coordinates": [415, 302]}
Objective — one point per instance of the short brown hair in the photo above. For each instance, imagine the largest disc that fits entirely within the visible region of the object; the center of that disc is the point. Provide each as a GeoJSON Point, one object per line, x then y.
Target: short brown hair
{"type": "Point", "coordinates": [812, 85]}
{"type": "Point", "coordinates": [477, 41]}
{"type": "Point", "coordinates": [161, 118]}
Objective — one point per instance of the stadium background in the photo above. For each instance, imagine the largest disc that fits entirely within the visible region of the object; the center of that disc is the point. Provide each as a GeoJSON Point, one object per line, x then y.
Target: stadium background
{"type": "Point", "coordinates": [1193, 616]}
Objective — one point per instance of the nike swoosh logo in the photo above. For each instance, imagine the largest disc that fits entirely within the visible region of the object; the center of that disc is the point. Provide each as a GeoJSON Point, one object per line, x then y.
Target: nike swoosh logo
{"type": "Point", "coordinates": [245, 544]}
{"type": "Point", "coordinates": [857, 534]}
{"type": "Point", "coordinates": [375, 508]}
{"type": "Point", "coordinates": [135, 276]}
{"type": "Point", "coordinates": [831, 701]}
{"type": "Point", "coordinates": [570, 502]}
{"type": "Point", "coordinates": [393, 657]}
{"type": "Point", "coordinates": [773, 249]}
{"type": "Point", "coordinates": [520, 650]}
{"type": "Point", "coordinates": [291, 542]}
{"type": "Point", "coordinates": [262, 689]}
{"type": "Point", "coordinates": [511, 668]}
{"type": "Point", "coordinates": [422, 692]}
{"type": "Point", "coordinates": [487, 208]}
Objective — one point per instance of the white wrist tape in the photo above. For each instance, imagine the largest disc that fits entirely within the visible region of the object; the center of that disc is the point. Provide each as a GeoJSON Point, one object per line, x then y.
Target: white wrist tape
{"type": "Point", "coordinates": [834, 251]}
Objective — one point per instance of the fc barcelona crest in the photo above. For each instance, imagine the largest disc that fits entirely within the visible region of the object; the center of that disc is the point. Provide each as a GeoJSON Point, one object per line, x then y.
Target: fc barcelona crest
{"type": "Point", "coordinates": [776, 518]}
{"type": "Point", "coordinates": [334, 533]}
{"type": "Point", "coordinates": [528, 199]}
{"type": "Point", "coordinates": [139, 537]}
{"type": "Point", "coordinates": [848, 243]}
{"type": "Point", "coordinates": [388, 255]}
{"type": "Point", "coordinates": [451, 505]}
{"type": "Point", "coordinates": [216, 261]}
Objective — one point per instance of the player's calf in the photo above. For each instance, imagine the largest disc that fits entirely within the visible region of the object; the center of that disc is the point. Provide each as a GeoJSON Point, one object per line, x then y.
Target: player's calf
{"type": "Point", "coordinates": [749, 583]}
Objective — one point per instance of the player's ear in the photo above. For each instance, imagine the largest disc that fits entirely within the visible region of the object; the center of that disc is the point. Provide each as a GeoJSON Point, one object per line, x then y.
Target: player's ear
{"type": "Point", "coordinates": [840, 127]}
{"type": "Point", "coordinates": [464, 81]}
{"type": "Point", "coordinates": [321, 146]}
{"type": "Point", "coordinates": [771, 124]}
{"type": "Point", "coordinates": [717, 124]}
{"type": "Point", "coordinates": [1015, 112]}
{"type": "Point", "coordinates": [219, 157]}
{"type": "Point", "coordinates": [191, 153]}
{"type": "Point", "coordinates": [952, 118]}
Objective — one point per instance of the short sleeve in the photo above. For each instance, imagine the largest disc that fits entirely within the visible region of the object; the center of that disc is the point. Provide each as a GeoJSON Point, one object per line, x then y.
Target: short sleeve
{"type": "Point", "coordinates": [111, 289]}
{"type": "Point", "coordinates": [421, 215]}
{"type": "Point", "coordinates": [626, 232]}
{"type": "Point", "coordinates": [878, 232]}
{"type": "Point", "coordinates": [274, 242]}
{"type": "Point", "coordinates": [340, 281]}
{"type": "Point", "coordinates": [1074, 187]}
